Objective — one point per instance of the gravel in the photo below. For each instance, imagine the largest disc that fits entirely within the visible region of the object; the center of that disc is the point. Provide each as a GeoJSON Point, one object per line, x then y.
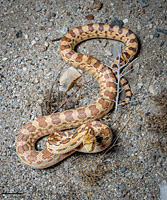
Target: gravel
{"type": "Point", "coordinates": [30, 62]}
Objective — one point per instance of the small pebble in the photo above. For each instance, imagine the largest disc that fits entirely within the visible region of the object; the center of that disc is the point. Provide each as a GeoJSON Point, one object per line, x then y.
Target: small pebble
{"type": "Point", "coordinates": [37, 80]}
{"type": "Point", "coordinates": [26, 36]}
{"type": "Point", "coordinates": [104, 20]}
{"type": "Point", "coordinates": [162, 43]}
{"type": "Point", "coordinates": [75, 9]}
{"type": "Point", "coordinates": [152, 90]}
{"type": "Point", "coordinates": [53, 14]}
{"type": "Point", "coordinates": [47, 18]}
{"type": "Point", "coordinates": [36, 38]}
{"type": "Point", "coordinates": [33, 42]}
{"type": "Point", "coordinates": [24, 69]}
{"type": "Point", "coordinates": [144, 4]}
{"type": "Point", "coordinates": [19, 60]}
{"type": "Point", "coordinates": [97, 5]}
{"type": "Point", "coordinates": [89, 17]}
{"type": "Point", "coordinates": [38, 9]}
{"type": "Point", "coordinates": [19, 34]}
{"type": "Point", "coordinates": [125, 21]}
{"type": "Point", "coordinates": [151, 36]}
{"type": "Point", "coordinates": [64, 30]}
{"type": "Point", "coordinates": [122, 187]}
{"type": "Point", "coordinates": [123, 169]}
{"type": "Point", "coordinates": [150, 26]}
{"type": "Point", "coordinates": [108, 53]}
{"type": "Point", "coordinates": [4, 59]}
{"type": "Point", "coordinates": [118, 22]}
{"type": "Point", "coordinates": [156, 35]}
{"type": "Point", "coordinates": [138, 27]}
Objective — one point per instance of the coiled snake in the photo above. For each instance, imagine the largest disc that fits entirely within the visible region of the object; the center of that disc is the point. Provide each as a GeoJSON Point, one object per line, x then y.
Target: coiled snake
{"type": "Point", "coordinates": [90, 136]}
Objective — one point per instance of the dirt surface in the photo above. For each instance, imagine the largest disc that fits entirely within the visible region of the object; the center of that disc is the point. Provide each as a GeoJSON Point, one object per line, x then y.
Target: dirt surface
{"type": "Point", "coordinates": [30, 63]}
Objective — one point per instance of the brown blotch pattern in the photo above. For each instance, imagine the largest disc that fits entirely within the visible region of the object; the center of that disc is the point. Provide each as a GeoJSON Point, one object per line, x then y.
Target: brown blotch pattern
{"type": "Point", "coordinates": [19, 137]}
{"type": "Point", "coordinates": [69, 54]}
{"type": "Point", "coordinates": [55, 118]}
{"type": "Point", "coordinates": [97, 64]}
{"type": "Point", "coordinates": [104, 103]}
{"type": "Point", "coordinates": [66, 39]}
{"type": "Point", "coordinates": [80, 29]}
{"type": "Point", "coordinates": [93, 109]}
{"type": "Point", "coordinates": [42, 122]}
{"type": "Point", "coordinates": [31, 158]}
{"type": "Point", "coordinates": [120, 30]}
{"type": "Point", "coordinates": [63, 47]}
{"type": "Point", "coordinates": [20, 149]}
{"type": "Point", "coordinates": [25, 137]}
{"type": "Point", "coordinates": [30, 127]}
{"type": "Point", "coordinates": [72, 33]}
{"type": "Point", "coordinates": [68, 115]}
{"type": "Point", "coordinates": [133, 40]}
{"type": "Point", "coordinates": [25, 147]}
{"type": "Point", "coordinates": [110, 84]}
{"type": "Point", "coordinates": [79, 58]}
{"type": "Point", "coordinates": [128, 33]}
{"type": "Point", "coordinates": [109, 94]}
{"type": "Point", "coordinates": [90, 27]}
{"type": "Point", "coordinates": [81, 113]}
{"type": "Point", "coordinates": [132, 49]}
{"type": "Point", "coordinates": [126, 55]}
{"type": "Point", "coordinates": [101, 27]}
{"type": "Point", "coordinates": [111, 28]}
{"type": "Point", "coordinates": [89, 60]}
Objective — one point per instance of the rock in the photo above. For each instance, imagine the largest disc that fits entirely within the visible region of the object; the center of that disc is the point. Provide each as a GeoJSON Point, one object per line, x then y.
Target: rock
{"type": "Point", "coordinates": [89, 17]}
{"type": "Point", "coordinates": [97, 5]}
{"type": "Point", "coordinates": [68, 78]}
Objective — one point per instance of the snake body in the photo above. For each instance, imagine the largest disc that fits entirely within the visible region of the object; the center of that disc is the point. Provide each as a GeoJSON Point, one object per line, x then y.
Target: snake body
{"type": "Point", "coordinates": [83, 116]}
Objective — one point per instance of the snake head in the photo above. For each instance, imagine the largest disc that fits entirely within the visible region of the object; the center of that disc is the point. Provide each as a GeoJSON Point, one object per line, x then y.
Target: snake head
{"type": "Point", "coordinates": [89, 139]}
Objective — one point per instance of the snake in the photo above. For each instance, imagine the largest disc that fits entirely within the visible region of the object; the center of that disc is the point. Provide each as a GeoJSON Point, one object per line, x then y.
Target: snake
{"type": "Point", "coordinates": [62, 143]}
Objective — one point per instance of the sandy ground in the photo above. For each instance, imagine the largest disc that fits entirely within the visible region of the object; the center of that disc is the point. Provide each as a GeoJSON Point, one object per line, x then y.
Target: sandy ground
{"type": "Point", "coordinates": [136, 166]}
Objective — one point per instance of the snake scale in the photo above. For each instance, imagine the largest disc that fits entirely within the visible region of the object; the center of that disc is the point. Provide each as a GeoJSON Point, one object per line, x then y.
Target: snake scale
{"type": "Point", "coordinates": [82, 117]}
